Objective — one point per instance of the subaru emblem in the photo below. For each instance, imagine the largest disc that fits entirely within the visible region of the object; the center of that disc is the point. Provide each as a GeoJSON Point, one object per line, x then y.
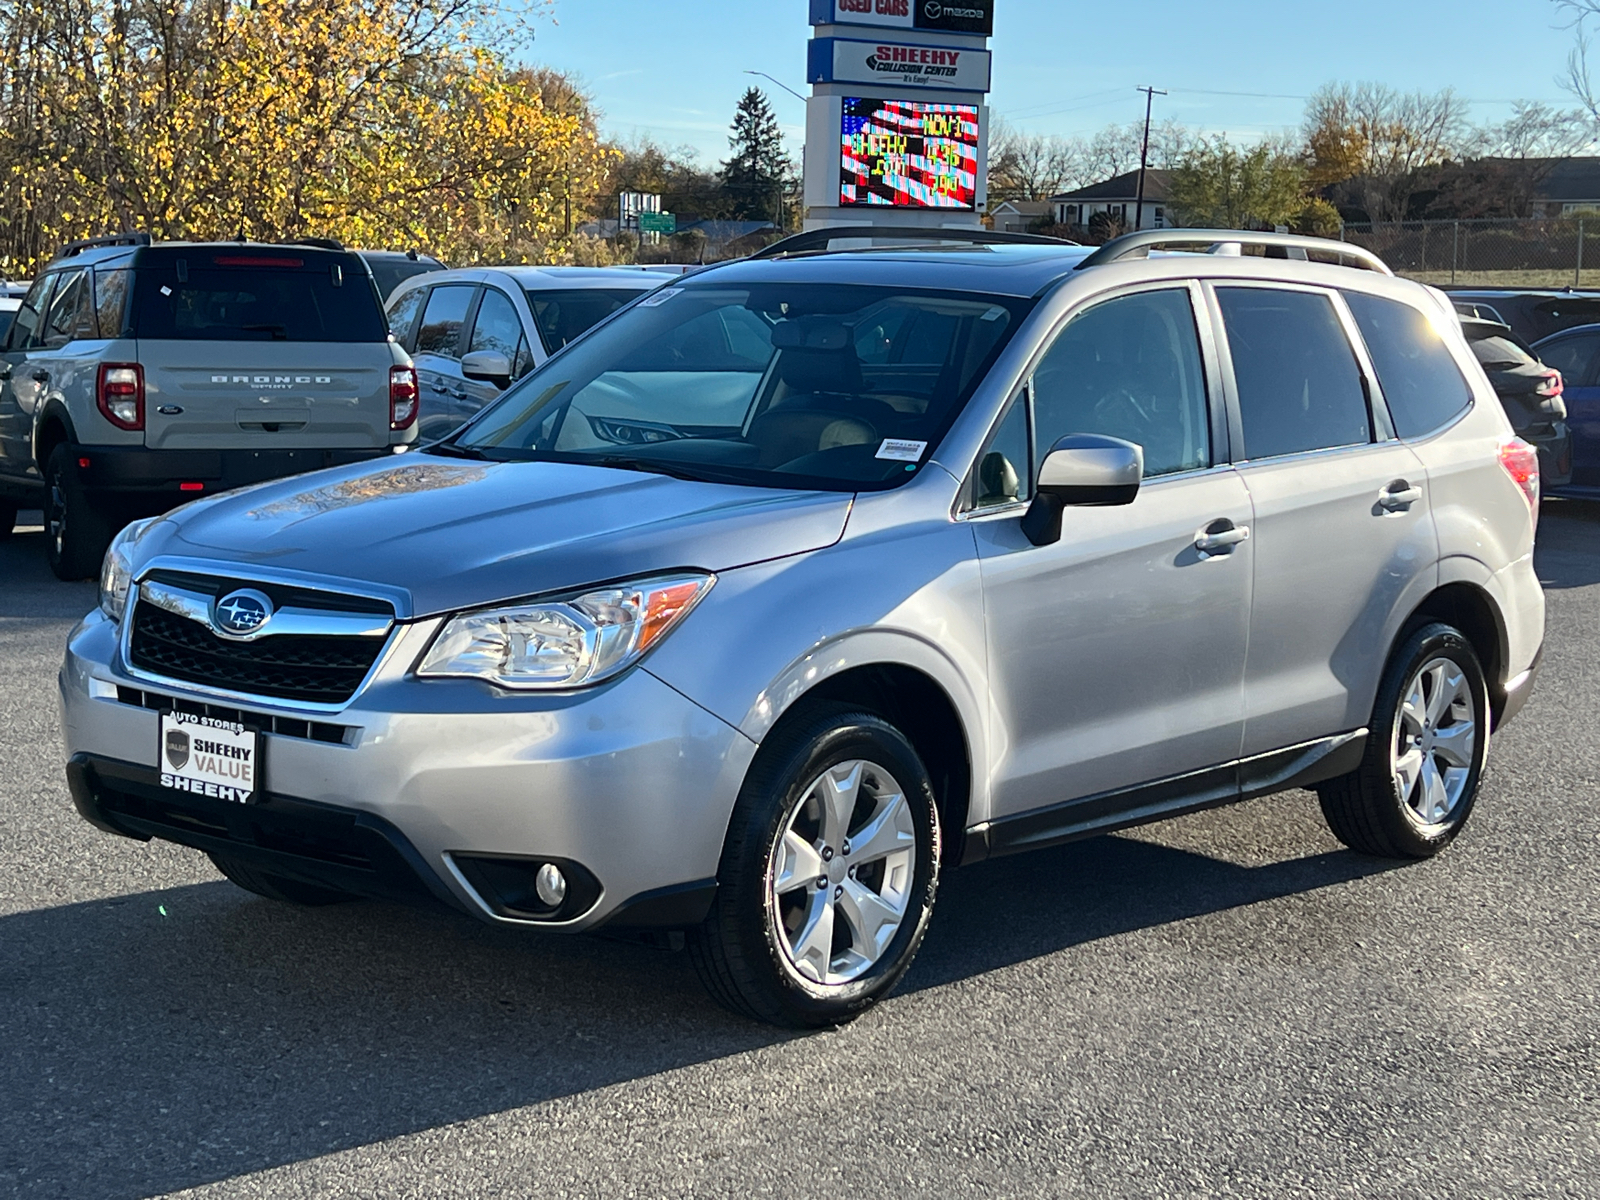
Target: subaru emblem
{"type": "Point", "coordinates": [243, 612]}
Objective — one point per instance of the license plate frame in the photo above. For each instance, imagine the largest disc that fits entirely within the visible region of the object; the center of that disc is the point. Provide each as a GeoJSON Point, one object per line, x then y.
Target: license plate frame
{"type": "Point", "coordinates": [208, 757]}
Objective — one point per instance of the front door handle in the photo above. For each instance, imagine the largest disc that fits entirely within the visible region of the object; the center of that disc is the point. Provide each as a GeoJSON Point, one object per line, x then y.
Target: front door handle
{"type": "Point", "coordinates": [1220, 537]}
{"type": "Point", "coordinates": [1398, 496]}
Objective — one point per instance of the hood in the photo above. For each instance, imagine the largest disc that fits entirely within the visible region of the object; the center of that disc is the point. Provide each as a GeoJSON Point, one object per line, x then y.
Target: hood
{"type": "Point", "coordinates": [453, 534]}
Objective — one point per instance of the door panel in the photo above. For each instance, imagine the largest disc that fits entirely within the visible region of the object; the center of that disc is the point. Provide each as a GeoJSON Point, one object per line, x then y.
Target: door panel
{"type": "Point", "coordinates": [1116, 656]}
{"type": "Point", "coordinates": [19, 391]}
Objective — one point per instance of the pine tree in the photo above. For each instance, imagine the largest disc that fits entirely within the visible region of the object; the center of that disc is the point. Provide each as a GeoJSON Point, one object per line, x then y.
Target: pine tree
{"type": "Point", "coordinates": [758, 169]}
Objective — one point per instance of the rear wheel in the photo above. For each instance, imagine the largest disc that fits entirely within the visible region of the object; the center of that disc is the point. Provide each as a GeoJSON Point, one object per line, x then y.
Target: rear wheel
{"type": "Point", "coordinates": [277, 887]}
{"type": "Point", "coordinates": [828, 874]}
{"type": "Point", "coordinates": [76, 534]}
{"type": "Point", "coordinates": [1425, 753]}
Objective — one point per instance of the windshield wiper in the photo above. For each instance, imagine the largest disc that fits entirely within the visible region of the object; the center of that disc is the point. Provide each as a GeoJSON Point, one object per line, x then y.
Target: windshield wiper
{"type": "Point", "coordinates": [456, 450]}
{"type": "Point", "coordinates": [278, 332]}
{"type": "Point", "coordinates": [652, 466]}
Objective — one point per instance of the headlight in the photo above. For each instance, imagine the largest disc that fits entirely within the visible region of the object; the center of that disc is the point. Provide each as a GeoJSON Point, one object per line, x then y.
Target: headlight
{"type": "Point", "coordinates": [116, 573]}
{"type": "Point", "coordinates": [564, 644]}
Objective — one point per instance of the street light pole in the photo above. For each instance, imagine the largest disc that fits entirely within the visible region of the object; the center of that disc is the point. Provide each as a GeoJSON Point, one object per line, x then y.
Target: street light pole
{"type": "Point", "coordinates": [1150, 95]}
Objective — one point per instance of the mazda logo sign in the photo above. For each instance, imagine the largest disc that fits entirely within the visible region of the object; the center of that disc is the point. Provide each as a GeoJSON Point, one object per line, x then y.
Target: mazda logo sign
{"type": "Point", "coordinates": [242, 613]}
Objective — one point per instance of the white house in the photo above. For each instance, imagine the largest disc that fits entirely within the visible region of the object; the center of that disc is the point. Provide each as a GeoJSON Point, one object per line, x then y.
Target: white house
{"type": "Point", "coordinates": [1119, 197]}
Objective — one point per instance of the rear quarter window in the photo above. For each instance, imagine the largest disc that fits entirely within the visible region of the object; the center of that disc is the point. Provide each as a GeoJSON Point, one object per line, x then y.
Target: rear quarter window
{"type": "Point", "coordinates": [1423, 386]}
{"type": "Point", "coordinates": [257, 298]}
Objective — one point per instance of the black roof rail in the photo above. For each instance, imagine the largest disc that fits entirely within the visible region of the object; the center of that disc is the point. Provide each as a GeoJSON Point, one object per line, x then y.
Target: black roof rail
{"type": "Point", "coordinates": [1231, 242]}
{"type": "Point", "coordinates": [72, 249]}
{"type": "Point", "coordinates": [319, 243]}
{"type": "Point", "coordinates": [817, 241]}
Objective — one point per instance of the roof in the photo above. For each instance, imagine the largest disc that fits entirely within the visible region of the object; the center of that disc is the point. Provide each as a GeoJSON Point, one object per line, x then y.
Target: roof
{"type": "Point", "coordinates": [1023, 208]}
{"type": "Point", "coordinates": [1570, 180]}
{"type": "Point", "coordinates": [535, 279]}
{"type": "Point", "coordinates": [1001, 270]}
{"type": "Point", "coordinates": [1122, 187]}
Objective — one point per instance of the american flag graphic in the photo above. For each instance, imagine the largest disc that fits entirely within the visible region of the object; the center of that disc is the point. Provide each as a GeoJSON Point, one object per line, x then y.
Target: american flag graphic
{"type": "Point", "coordinates": [908, 154]}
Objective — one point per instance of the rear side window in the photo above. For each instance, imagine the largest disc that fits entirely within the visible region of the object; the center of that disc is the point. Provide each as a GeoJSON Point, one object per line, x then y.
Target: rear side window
{"type": "Point", "coordinates": [1423, 386]}
{"type": "Point", "coordinates": [564, 315]}
{"type": "Point", "coordinates": [1296, 372]}
{"type": "Point", "coordinates": [440, 332]}
{"type": "Point", "coordinates": [403, 314]}
{"type": "Point", "coordinates": [1573, 357]}
{"type": "Point", "coordinates": [71, 313]}
{"type": "Point", "coordinates": [256, 298]}
{"type": "Point", "coordinates": [111, 301]}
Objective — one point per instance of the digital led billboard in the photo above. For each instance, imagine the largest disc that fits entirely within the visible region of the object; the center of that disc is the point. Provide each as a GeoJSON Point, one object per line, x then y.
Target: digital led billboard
{"type": "Point", "coordinates": [908, 154]}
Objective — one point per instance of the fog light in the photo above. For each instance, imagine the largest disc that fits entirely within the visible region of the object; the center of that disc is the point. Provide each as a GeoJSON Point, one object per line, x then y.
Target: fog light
{"type": "Point", "coordinates": [551, 885]}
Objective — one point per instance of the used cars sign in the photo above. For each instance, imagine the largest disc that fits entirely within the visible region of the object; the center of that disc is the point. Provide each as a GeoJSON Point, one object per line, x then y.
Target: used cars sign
{"type": "Point", "coordinates": [959, 16]}
{"type": "Point", "coordinates": [845, 60]}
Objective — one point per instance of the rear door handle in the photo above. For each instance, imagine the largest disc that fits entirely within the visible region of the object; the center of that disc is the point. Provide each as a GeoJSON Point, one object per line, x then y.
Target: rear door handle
{"type": "Point", "coordinates": [1398, 496]}
{"type": "Point", "coordinates": [1220, 537]}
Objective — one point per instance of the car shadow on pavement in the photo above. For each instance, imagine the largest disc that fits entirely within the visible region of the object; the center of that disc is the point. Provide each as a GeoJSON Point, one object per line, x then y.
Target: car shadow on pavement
{"type": "Point", "coordinates": [166, 1039]}
{"type": "Point", "coordinates": [27, 588]}
{"type": "Point", "coordinates": [1569, 531]}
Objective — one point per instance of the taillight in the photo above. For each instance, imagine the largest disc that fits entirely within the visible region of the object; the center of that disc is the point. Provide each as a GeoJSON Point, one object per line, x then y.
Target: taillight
{"type": "Point", "coordinates": [1551, 384]}
{"type": "Point", "coordinates": [402, 397]}
{"type": "Point", "coordinates": [119, 394]}
{"type": "Point", "coordinates": [1521, 462]}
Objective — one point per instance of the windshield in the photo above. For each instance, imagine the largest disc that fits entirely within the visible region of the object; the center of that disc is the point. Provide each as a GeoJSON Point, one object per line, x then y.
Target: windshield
{"type": "Point", "coordinates": [1500, 351]}
{"type": "Point", "coordinates": [564, 315]}
{"type": "Point", "coordinates": [781, 385]}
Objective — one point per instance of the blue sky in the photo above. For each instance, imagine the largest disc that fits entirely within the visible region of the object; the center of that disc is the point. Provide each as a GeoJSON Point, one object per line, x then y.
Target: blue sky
{"type": "Point", "coordinates": [673, 69]}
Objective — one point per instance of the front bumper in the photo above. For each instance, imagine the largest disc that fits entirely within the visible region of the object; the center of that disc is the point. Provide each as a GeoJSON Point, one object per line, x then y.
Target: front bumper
{"type": "Point", "coordinates": [631, 781]}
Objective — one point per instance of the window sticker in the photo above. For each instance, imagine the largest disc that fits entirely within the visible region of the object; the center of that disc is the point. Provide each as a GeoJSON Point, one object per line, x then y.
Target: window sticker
{"type": "Point", "coordinates": [901, 450]}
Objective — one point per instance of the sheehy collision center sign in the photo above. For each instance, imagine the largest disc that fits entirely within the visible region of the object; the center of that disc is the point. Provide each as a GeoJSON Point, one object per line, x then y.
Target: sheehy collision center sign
{"type": "Point", "coordinates": [845, 60]}
{"type": "Point", "coordinates": [946, 16]}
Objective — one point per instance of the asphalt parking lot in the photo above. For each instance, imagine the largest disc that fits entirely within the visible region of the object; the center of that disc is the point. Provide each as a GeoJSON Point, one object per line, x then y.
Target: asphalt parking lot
{"type": "Point", "coordinates": [1227, 1004]}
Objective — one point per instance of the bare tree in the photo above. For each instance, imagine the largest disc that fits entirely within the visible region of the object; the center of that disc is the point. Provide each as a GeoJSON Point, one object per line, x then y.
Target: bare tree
{"type": "Point", "coordinates": [1032, 166]}
{"type": "Point", "coordinates": [1115, 149]}
{"type": "Point", "coordinates": [1375, 139]}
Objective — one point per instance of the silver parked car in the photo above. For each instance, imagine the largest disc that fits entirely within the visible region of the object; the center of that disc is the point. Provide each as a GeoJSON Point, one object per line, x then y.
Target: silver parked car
{"type": "Point", "coordinates": [473, 331]}
{"type": "Point", "coordinates": [808, 577]}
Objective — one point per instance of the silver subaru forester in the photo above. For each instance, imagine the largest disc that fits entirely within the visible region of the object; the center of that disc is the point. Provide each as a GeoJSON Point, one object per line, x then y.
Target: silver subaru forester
{"type": "Point", "coordinates": [811, 575]}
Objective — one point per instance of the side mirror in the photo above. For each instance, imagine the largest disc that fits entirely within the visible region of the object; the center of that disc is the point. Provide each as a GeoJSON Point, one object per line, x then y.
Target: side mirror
{"type": "Point", "coordinates": [488, 365]}
{"type": "Point", "coordinates": [1083, 470]}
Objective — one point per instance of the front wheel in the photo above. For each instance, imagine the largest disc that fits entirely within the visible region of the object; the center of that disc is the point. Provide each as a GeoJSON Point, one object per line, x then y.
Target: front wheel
{"type": "Point", "coordinates": [1425, 753]}
{"type": "Point", "coordinates": [828, 874]}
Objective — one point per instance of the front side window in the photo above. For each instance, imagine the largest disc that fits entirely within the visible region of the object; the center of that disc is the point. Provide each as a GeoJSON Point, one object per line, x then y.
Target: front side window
{"type": "Point", "coordinates": [28, 325]}
{"type": "Point", "coordinates": [762, 383]}
{"type": "Point", "coordinates": [1299, 383]}
{"type": "Point", "coordinates": [1424, 388]}
{"type": "Point", "coordinates": [440, 332]}
{"type": "Point", "coordinates": [1128, 368]}
{"type": "Point", "coordinates": [498, 328]}
{"type": "Point", "coordinates": [564, 315]}
{"type": "Point", "coordinates": [403, 312]}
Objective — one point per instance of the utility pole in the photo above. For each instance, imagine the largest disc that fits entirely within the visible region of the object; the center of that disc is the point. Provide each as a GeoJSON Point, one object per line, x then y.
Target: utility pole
{"type": "Point", "coordinates": [1150, 95]}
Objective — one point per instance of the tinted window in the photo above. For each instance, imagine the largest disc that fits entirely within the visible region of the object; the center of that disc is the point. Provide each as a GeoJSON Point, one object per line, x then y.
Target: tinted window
{"type": "Point", "coordinates": [1129, 368]}
{"type": "Point", "coordinates": [1573, 357]}
{"type": "Point", "coordinates": [6, 316]}
{"type": "Point", "coordinates": [1002, 475]}
{"type": "Point", "coordinates": [442, 320]}
{"type": "Point", "coordinates": [1299, 385]}
{"type": "Point", "coordinates": [1498, 352]}
{"type": "Point", "coordinates": [403, 315]}
{"type": "Point", "coordinates": [68, 305]}
{"type": "Point", "coordinates": [111, 301]}
{"type": "Point", "coordinates": [563, 315]}
{"type": "Point", "coordinates": [256, 298]}
{"type": "Point", "coordinates": [761, 384]}
{"type": "Point", "coordinates": [390, 273]}
{"type": "Point", "coordinates": [1421, 383]}
{"type": "Point", "coordinates": [30, 317]}
{"type": "Point", "coordinates": [497, 327]}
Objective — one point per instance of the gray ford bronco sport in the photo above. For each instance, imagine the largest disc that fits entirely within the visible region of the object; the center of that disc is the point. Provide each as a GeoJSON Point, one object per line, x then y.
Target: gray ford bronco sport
{"type": "Point", "coordinates": [136, 376]}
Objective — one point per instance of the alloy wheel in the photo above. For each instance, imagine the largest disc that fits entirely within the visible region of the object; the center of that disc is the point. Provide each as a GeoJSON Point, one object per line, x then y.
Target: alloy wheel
{"type": "Point", "coordinates": [840, 876]}
{"type": "Point", "coordinates": [1435, 737]}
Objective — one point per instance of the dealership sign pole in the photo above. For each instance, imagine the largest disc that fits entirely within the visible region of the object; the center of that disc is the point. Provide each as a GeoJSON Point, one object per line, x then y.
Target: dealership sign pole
{"type": "Point", "coordinates": [896, 126]}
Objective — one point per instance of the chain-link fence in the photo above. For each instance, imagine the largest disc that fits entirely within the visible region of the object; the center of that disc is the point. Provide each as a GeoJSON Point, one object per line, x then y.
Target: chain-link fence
{"type": "Point", "coordinates": [1537, 252]}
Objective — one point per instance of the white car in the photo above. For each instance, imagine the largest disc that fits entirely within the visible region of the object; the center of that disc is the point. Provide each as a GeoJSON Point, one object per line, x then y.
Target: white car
{"type": "Point", "coordinates": [472, 331]}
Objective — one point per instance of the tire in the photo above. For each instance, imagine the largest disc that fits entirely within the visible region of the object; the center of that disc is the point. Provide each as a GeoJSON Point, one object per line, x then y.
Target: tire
{"type": "Point", "coordinates": [76, 533]}
{"type": "Point", "coordinates": [765, 950]}
{"type": "Point", "coordinates": [8, 519]}
{"type": "Point", "coordinates": [1386, 809]}
{"type": "Point", "coordinates": [277, 887]}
